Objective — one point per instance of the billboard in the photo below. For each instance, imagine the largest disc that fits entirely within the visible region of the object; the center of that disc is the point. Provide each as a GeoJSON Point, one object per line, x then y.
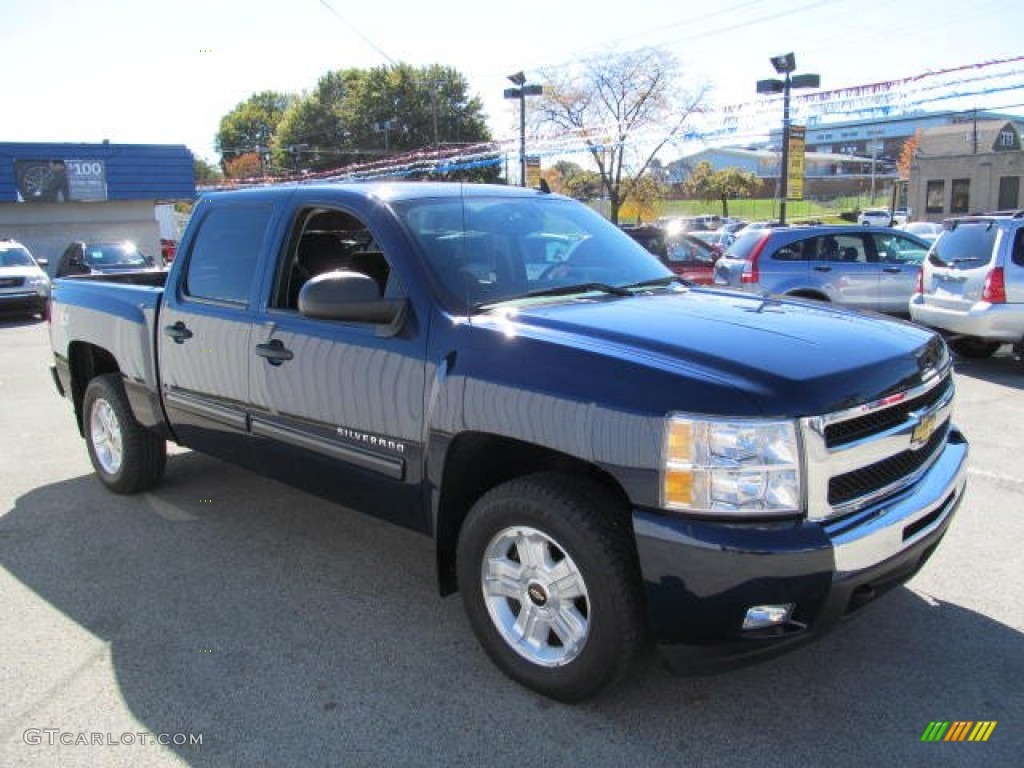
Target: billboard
{"type": "Point", "coordinates": [795, 162]}
{"type": "Point", "coordinates": [59, 181]}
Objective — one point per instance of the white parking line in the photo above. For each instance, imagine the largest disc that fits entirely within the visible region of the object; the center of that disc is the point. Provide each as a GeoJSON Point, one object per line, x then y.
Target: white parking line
{"type": "Point", "coordinates": [1008, 479]}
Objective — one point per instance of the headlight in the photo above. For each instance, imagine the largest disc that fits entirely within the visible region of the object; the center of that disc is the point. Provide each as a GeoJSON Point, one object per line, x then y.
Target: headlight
{"type": "Point", "coordinates": [746, 467]}
{"type": "Point", "coordinates": [40, 284]}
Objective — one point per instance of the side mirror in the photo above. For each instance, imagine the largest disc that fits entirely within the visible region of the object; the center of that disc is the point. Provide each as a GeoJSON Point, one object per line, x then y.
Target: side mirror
{"type": "Point", "coordinates": [348, 296]}
{"type": "Point", "coordinates": [44, 263]}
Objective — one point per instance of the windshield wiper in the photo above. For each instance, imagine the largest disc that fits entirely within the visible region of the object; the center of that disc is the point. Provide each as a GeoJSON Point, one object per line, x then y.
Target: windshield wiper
{"type": "Point", "coordinates": [654, 282]}
{"type": "Point", "coordinates": [562, 290]}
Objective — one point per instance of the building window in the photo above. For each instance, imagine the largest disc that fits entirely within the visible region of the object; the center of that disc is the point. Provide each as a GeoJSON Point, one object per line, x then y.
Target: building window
{"type": "Point", "coordinates": [960, 196]}
{"type": "Point", "coordinates": [1006, 139]}
{"type": "Point", "coordinates": [935, 195]}
{"type": "Point", "coordinates": [1009, 192]}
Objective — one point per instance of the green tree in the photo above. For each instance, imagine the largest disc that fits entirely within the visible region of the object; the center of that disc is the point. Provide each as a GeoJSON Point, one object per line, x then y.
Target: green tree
{"type": "Point", "coordinates": [251, 124]}
{"type": "Point", "coordinates": [205, 173]}
{"type": "Point", "coordinates": [624, 107]}
{"type": "Point", "coordinates": [571, 179]}
{"type": "Point", "coordinates": [643, 195]}
{"type": "Point", "coordinates": [708, 184]}
{"type": "Point", "coordinates": [358, 116]}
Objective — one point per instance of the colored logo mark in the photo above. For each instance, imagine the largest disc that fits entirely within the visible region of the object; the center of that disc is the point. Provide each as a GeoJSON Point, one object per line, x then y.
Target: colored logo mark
{"type": "Point", "coordinates": [958, 730]}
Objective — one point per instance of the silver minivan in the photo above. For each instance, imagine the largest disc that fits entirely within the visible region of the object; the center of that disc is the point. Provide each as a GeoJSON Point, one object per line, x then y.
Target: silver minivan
{"type": "Point", "coordinates": [972, 284]}
{"type": "Point", "coordinates": [873, 268]}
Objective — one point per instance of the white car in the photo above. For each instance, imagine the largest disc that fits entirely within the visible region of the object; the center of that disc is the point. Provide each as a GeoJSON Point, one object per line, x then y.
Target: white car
{"type": "Point", "coordinates": [926, 230]}
{"type": "Point", "coordinates": [24, 286]}
{"type": "Point", "coordinates": [874, 217]}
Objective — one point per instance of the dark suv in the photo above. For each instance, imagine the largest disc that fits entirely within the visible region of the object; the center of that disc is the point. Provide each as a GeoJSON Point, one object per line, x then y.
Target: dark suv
{"type": "Point", "coordinates": [872, 268]}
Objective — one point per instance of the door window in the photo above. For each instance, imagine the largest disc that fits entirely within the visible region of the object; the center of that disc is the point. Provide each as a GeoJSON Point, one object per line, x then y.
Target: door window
{"type": "Point", "coordinates": [326, 240]}
{"type": "Point", "coordinates": [224, 256]}
{"type": "Point", "coordinates": [896, 249]}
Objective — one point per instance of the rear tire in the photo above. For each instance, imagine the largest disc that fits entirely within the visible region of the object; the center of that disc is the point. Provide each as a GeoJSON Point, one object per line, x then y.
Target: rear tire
{"type": "Point", "coordinates": [127, 457]}
{"type": "Point", "coordinates": [974, 348]}
{"type": "Point", "coordinates": [549, 579]}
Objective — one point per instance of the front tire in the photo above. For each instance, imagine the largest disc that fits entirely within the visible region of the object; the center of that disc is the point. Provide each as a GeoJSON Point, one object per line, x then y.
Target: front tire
{"type": "Point", "coordinates": [549, 579]}
{"type": "Point", "coordinates": [974, 348]}
{"type": "Point", "coordinates": [127, 457]}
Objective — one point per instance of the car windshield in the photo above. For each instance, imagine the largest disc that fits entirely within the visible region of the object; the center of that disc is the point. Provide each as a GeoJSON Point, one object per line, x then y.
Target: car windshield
{"type": "Point", "coordinates": [491, 249]}
{"type": "Point", "coordinates": [102, 255]}
{"type": "Point", "coordinates": [15, 257]}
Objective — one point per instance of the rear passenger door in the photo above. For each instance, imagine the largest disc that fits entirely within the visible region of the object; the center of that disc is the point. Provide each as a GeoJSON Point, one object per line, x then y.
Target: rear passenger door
{"type": "Point", "coordinates": [338, 406]}
{"type": "Point", "coordinates": [841, 267]}
{"type": "Point", "coordinates": [203, 341]}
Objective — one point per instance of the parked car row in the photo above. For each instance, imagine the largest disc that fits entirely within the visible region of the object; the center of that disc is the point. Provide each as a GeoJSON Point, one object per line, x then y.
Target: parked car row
{"type": "Point", "coordinates": [25, 285]}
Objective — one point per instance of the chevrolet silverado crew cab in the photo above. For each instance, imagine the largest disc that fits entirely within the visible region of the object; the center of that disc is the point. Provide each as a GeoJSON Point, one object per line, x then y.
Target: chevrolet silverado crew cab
{"type": "Point", "coordinates": [603, 454]}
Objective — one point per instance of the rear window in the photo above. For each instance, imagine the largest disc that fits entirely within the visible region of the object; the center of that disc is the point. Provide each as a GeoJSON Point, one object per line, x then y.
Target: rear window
{"type": "Point", "coordinates": [970, 245]}
{"type": "Point", "coordinates": [744, 246]}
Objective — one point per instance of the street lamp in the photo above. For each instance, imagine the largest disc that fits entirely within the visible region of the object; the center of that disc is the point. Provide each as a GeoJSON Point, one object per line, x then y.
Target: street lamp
{"type": "Point", "coordinates": [521, 91]}
{"type": "Point", "coordinates": [784, 65]}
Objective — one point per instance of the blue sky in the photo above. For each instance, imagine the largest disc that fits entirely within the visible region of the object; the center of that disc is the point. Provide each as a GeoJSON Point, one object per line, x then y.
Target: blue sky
{"type": "Point", "coordinates": [165, 72]}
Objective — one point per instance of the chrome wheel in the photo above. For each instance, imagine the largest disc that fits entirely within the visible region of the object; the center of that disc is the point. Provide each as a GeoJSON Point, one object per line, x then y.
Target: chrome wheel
{"type": "Point", "coordinates": [105, 436]}
{"type": "Point", "coordinates": [536, 596]}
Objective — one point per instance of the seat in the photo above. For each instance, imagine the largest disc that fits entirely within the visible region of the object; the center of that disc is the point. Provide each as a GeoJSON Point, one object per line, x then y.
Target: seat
{"type": "Point", "coordinates": [849, 254]}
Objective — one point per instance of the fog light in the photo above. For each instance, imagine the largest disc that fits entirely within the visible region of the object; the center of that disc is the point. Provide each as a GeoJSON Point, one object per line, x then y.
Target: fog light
{"type": "Point", "coordinates": [764, 616]}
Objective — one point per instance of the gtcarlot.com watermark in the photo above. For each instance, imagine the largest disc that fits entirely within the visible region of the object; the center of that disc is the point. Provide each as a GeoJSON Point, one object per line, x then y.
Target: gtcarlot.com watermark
{"type": "Point", "coordinates": [52, 737]}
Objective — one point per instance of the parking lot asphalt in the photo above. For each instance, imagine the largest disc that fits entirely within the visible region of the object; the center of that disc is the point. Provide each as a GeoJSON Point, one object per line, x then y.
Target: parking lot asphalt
{"type": "Point", "coordinates": [283, 631]}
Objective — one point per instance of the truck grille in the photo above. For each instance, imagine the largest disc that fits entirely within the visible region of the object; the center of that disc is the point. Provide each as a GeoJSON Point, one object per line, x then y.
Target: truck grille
{"type": "Point", "coordinates": [12, 282]}
{"type": "Point", "coordinates": [866, 454]}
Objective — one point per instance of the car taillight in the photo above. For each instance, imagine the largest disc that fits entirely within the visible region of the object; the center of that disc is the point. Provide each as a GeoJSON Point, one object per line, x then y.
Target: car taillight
{"type": "Point", "coordinates": [750, 272]}
{"type": "Point", "coordinates": [919, 287]}
{"type": "Point", "coordinates": [994, 291]}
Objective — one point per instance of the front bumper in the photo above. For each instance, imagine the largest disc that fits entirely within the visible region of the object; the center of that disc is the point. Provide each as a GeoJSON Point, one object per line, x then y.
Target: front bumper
{"type": "Point", "coordinates": [991, 322]}
{"type": "Point", "coordinates": [701, 577]}
{"type": "Point", "coordinates": [22, 302]}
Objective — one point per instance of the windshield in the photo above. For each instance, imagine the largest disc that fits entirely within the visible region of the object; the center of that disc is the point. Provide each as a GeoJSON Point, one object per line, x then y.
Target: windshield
{"type": "Point", "coordinates": [106, 255]}
{"type": "Point", "coordinates": [486, 250]}
{"type": "Point", "coordinates": [15, 257]}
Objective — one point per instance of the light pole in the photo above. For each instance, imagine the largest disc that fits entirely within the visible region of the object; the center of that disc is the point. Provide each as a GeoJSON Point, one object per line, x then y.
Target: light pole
{"type": "Point", "coordinates": [521, 91]}
{"type": "Point", "coordinates": [784, 65]}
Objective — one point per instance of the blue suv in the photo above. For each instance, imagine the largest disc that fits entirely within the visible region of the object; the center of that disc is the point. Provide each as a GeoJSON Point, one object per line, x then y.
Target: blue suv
{"type": "Point", "coordinates": [872, 268]}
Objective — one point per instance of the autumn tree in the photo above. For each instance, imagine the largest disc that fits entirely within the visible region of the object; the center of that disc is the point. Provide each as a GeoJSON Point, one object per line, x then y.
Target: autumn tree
{"type": "Point", "coordinates": [245, 166]}
{"type": "Point", "coordinates": [251, 124]}
{"type": "Point", "coordinates": [707, 184]}
{"type": "Point", "coordinates": [642, 196]}
{"type": "Point", "coordinates": [907, 153]}
{"type": "Point", "coordinates": [624, 108]}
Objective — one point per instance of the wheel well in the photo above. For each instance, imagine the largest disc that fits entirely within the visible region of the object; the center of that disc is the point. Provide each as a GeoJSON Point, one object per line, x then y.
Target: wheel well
{"type": "Point", "coordinates": [87, 361]}
{"type": "Point", "coordinates": [477, 462]}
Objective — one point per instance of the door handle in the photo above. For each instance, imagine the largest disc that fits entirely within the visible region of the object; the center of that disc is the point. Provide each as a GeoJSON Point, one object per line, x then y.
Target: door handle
{"type": "Point", "coordinates": [179, 332]}
{"type": "Point", "coordinates": [892, 270]}
{"type": "Point", "coordinates": [823, 268]}
{"type": "Point", "coordinates": [274, 351]}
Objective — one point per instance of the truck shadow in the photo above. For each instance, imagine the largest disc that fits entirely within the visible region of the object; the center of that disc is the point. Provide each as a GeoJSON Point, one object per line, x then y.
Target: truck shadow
{"type": "Point", "coordinates": [1003, 368]}
{"type": "Point", "coordinates": [289, 631]}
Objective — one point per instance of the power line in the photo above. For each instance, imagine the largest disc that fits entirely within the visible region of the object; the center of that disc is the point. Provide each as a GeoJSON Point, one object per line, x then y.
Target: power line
{"type": "Point", "coordinates": [363, 37]}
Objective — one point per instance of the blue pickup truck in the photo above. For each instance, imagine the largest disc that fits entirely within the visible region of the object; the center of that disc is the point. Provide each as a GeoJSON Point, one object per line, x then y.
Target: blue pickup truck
{"type": "Point", "coordinates": [605, 455]}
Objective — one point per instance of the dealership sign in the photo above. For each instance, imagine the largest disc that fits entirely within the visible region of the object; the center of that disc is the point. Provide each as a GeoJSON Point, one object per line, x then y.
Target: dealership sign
{"type": "Point", "coordinates": [59, 181]}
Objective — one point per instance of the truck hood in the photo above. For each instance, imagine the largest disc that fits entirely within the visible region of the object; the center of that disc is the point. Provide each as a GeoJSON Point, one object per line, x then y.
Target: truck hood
{"type": "Point", "coordinates": [789, 357]}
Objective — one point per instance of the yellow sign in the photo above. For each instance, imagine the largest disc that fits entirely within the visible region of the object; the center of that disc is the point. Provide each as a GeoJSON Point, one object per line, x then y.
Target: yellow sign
{"type": "Point", "coordinates": [533, 172]}
{"type": "Point", "coordinates": [795, 163]}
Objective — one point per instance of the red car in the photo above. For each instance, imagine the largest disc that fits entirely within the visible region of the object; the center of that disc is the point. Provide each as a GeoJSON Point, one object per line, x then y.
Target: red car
{"type": "Point", "coordinates": [168, 249]}
{"type": "Point", "coordinates": [687, 256]}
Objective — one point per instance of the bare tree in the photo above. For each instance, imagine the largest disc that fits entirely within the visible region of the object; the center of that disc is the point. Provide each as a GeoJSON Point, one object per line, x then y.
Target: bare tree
{"type": "Point", "coordinates": [624, 107]}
